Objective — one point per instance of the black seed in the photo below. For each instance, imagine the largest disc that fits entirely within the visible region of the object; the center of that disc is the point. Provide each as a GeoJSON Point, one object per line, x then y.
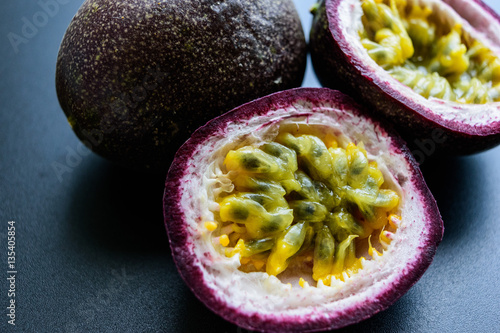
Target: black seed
{"type": "Point", "coordinates": [272, 149]}
{"type": "Point", "coordinates": [309, 209]}
{"type": "Point", "coordinates": [294, 147]}
{"type": "Point", "coordinates": [358, 166]}
{"type": "Point", "coordinates": [272, 225]}
{"type": "Point", "coordinates": [250, 162]}
{"type": "Point", "coordinates": [318, 151]}
{"type": "Point", "coordinates": [259, 198]}
{"type": "Point", "coordinates": [325, 251]}
{"type": "Point", "coordinates": [239, 213]}
{"type": "Point", "coordinates": [261, 245]}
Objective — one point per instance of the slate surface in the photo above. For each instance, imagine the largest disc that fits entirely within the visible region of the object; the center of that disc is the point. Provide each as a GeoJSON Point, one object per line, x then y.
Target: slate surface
{"type": "Point", "coordinates": [91, 250]}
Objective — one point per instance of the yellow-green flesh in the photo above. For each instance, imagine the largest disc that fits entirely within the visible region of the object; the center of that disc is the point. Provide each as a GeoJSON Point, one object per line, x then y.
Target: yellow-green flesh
{"type": "Point", "coordinates": [302, 199]}
{"type": "Point", "coordinates": [435, 59]}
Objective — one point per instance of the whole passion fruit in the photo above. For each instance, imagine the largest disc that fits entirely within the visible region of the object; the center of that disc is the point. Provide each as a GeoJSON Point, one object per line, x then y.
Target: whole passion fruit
{"type": "Point", "coordinates": [298, 212]}
{"type": "Point", "coordinates": [137, 77]}
{"type": "Point", "coordinates": [431, 67]}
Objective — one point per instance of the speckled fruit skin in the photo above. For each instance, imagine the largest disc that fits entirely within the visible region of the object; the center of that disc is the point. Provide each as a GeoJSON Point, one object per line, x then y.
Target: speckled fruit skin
{"type": "Point", "coordinates": [183, 238]}
{"type": "Point", "coordinates": [338, 67]}
{"type": "Point", "coordinates": [136, 77]}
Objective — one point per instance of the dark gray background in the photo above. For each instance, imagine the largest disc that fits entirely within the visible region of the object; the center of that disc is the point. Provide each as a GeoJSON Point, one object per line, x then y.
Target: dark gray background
{"type": "Point", "coordinates": [92, 253]}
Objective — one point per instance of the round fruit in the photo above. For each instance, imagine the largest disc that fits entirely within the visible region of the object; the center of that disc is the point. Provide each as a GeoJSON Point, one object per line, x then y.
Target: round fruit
{"type": "Point", "coordinates": [431, 67]}
{"type": "Point", "coordinates": [136, 77]}
{"type": "Point", "coordinates": [298, 212]}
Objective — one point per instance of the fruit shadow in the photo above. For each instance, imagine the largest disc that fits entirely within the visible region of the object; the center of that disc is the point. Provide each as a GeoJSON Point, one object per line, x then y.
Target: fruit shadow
{"type": "Point", "coordinates": [196, 317]}
{"type": "Point", "coordinates": [119, 209]}
{"type": "Point", "coordinates": [397, 318]}
{"type": "Point", "coordinates": [453, 182]}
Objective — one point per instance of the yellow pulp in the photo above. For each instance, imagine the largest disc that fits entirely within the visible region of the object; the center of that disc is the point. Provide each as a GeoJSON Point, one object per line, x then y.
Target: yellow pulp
{"type": "Point", "coordinates": [305, 200]}
{"type": "Point", "coordinates": [433, 59]}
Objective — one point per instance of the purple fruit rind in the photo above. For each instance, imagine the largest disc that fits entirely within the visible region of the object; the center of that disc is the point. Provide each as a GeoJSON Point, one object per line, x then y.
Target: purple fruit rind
{"type": "Point", "coordinates": [337, 66]}
{"type": "Point", "coordinates": [188, 264]}
{"type": "Point", "coordinates": [136, 77]}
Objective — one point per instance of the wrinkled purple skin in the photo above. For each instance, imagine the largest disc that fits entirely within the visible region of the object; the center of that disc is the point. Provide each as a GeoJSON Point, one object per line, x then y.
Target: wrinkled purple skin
{"type": "Point", "coordinates": [182, 245]}
{"type": "Point", "coordinates": [137, 77]}
{"type": "Point", "coordinates": [338, 67]}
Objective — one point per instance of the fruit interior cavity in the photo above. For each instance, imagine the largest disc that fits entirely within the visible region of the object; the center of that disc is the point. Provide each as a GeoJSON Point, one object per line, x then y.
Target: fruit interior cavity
{"type": "Point", "coordinates": [303, 200]}
{"type": "Point", "coordinates": [423, 50]}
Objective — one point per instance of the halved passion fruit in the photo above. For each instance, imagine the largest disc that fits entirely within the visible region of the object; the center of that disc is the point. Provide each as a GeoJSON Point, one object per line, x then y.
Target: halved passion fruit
{"type": "Point", "coordinates": [431, 67]}
{"type": "Point", "coordinates": [297, 212]}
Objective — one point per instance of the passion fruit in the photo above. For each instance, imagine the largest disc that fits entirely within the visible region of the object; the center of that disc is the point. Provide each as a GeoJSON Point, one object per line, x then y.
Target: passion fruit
{"type": "Point", "coordinates": [430, 67]}
{"type": "Point", "coordinates": [298, 212]}
{"type": "Point", "coordinates": [136, 77]}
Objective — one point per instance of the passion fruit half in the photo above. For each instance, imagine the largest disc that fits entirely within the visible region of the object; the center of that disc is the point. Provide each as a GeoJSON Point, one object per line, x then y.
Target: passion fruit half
{"type": "Point", "coordinates": [298, 212]}
{"type": "Point", "coordinates": [430, 67]}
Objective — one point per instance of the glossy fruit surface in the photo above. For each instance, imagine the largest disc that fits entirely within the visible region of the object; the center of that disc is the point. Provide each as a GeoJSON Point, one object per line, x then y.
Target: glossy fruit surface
{"type": "Point", "coordinates": [431, 68]}
{"type": "Point", "coordinates": [135, 78]}
{"type": "Point", "coordinates": [298, 212]}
